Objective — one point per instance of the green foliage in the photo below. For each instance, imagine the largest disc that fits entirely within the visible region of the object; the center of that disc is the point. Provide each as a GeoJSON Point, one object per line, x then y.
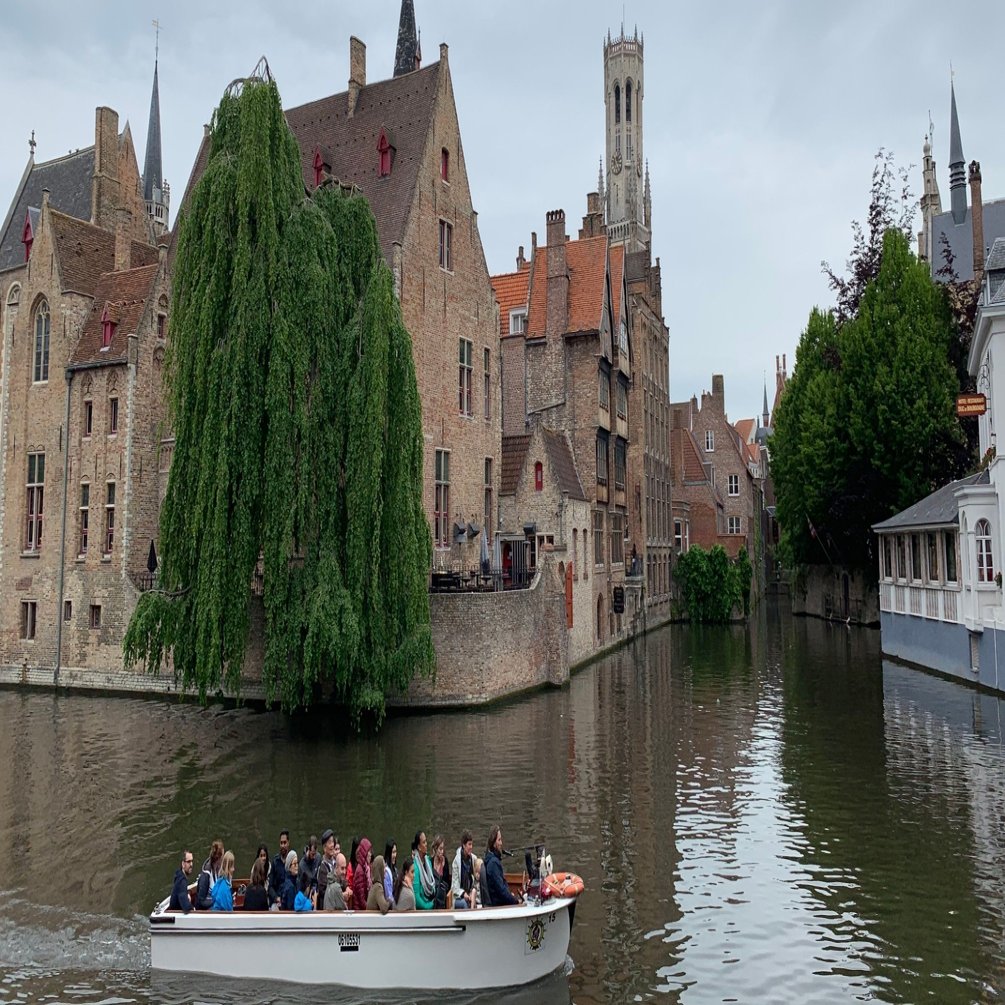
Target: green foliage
{"type": "Point", "coordinates": [867, 426]}
{"type": "Point", "coordinates": [712, 585]}
{"type": "Point", "coordinates": [290, 449]}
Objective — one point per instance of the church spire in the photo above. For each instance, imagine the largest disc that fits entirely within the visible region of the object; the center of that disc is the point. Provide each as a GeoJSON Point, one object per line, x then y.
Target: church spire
{"type": "Point", "coordinates": [600, 182]}
{"type": "Point", "coordinates": [408, 54]}
{"type": "Point", "coordinates": [156, 193]}
{"type": "Point", "coordinates": [957, 165]}
{"type": "Point", "coordinates": [765, 414]}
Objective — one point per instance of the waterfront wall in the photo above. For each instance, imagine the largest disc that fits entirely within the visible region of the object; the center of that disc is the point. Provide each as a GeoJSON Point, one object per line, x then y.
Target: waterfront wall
{"type": "Point", "coordinates": [829, 591]}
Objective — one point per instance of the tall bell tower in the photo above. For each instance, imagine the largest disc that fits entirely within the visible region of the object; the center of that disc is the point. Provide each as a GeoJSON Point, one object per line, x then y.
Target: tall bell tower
{"type": "Point", "coordinates": [628, 209]}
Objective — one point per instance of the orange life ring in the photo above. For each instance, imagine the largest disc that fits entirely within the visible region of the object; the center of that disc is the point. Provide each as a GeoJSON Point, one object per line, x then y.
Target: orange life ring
{"type": "Point", "coordinates": [564, 884]}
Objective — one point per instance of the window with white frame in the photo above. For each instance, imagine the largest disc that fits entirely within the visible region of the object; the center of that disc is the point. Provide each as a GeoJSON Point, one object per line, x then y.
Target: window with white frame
{"type": "Point", "coordinates": [950, 552]}
{"type": "Point", "coordinates": [109, 518]}
{"type": "Point", "coordinates": [83, 519]}
{"type": "Point", "coordinates": [733, 525]}
{"type": "Point", "coordinates": [446, 246]}
{"type": "Point", "coordinates": [29, 610]}
{"type": "Point", "coordinates": [441, 500]}
{"type": "Point", "coordinates": [985, 559]}
{"type": "Point", "coordinates": [916, 558]}
{"type": "Point", "coordinates": [932, 541]}
{"type": "Point", "coordinates": [464, 373]}
{"type": "Point", "coordinates": [518, 321]}
{"type": "Point", "coordinates": [734, 485]}
{"type": "Point", "coordinates": [709, 440]}
{"type": "Point", "coordinates": [34, 502]}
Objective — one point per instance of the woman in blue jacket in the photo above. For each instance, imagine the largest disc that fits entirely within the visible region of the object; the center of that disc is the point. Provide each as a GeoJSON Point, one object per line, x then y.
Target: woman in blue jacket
{"type": "Point", "coordinates": [223, 898]}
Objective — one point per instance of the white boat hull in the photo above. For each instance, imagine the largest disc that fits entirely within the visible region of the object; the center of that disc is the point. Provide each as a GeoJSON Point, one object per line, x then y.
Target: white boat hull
{"type": "Point", "coordinates": [436, 950]}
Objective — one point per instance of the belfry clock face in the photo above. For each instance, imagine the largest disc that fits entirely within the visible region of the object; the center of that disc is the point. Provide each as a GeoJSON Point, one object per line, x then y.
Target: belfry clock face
{"type": "Point", "coordinates": [616, 163]}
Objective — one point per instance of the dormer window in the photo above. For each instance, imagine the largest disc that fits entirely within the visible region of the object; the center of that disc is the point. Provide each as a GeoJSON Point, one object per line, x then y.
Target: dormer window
{"type": "Point", "coordinates": [385, 153]}
{"type": "Point", "coordinates": [27, 235]}
{"type": "Point", "coordinates": [445, 164]}
{"type": "Point", "coordinates": [107, 329]}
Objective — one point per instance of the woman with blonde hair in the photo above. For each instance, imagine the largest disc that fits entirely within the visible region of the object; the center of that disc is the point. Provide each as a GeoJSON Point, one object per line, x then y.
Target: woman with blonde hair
{"type": "Point", "coordinates": [223, 898]}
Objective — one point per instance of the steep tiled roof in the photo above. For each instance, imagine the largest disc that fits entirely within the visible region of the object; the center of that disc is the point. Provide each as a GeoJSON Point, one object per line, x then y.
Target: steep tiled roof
{"type": "Point", "coordinates": [511, 293]}
{"type": "Point", "coordinates": [404, 107]}
{"type": "Point", "coordinates": [68, 180]}
{"type": "Point", "coordinates": [84, 252]}
{"type": "Point", "coordinates": [694, 468]}
{"type": "Point", "coordinates": [586, 260]}
{"type": "Point", "coordinates": [514, 453]}
{"type": "Point", "coordinates": [562, 464]}
{"type": "Point", "coordinates": [142, 254]}
{"type": "Point", "coordinates": [125, 295]}
{"type": "Point", "coordinates": [940, 509]}
{"type": "Point", "coordinates": [746, 429]}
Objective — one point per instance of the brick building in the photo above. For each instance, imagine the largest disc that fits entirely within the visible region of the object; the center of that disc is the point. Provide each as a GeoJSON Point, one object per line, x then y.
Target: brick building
{"type": "Point", "coordinates": [716, 495]}
{"type": "Point", "coordinates": [86, 299]}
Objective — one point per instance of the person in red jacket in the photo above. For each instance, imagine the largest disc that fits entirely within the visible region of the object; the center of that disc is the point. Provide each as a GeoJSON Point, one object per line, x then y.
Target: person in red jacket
{"type": "Point", "coordinates": [361, 880]}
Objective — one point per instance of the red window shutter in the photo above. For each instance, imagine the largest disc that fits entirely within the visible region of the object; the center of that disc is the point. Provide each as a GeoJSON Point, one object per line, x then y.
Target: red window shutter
{"type": "Point", "coordinates": [538, 476]}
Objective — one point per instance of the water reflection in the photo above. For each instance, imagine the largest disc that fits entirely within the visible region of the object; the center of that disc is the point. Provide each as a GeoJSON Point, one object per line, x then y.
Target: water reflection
{"type": "Point", "coordinates": [766, 813]}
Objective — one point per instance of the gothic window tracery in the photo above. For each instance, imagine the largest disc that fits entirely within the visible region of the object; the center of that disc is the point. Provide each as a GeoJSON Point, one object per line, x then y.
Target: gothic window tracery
{"type": "Point", "coordinates": [617, 104]}
{"type": "Point", "coordinates": [628, 101]}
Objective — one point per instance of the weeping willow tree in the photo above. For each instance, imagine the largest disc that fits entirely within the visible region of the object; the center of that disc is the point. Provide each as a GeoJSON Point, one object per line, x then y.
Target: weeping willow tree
{"type": "Point", "coordinates": [298, 436]}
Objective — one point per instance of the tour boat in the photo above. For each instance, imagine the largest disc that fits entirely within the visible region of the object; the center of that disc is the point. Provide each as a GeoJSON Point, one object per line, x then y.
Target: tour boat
{"type": "Point", "coordinates": [479, 949]}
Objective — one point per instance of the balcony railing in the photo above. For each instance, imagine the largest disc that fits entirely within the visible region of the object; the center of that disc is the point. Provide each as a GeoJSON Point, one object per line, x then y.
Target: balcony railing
{"type": "Point", "coordinates": [478, 579]}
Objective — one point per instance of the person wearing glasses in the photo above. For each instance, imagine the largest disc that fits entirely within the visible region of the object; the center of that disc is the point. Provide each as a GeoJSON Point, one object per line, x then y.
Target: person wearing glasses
{"type": "Point", "coordinates": [180, 900]}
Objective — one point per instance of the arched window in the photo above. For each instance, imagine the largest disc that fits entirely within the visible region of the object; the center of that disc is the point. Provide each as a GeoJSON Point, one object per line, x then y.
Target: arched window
{"type": "Point", "coordinates": [538, 476]}
{"type": "Point", "coordinates": [40, 369]}
{"type": "Point", "coordinates": [628, 101]}
{"type": "Point", "coordinates": [617, 103]}
{"type": "Point", "coordinates": [13, 300]}
{"type": "Point", "coordinates": [985, 561]}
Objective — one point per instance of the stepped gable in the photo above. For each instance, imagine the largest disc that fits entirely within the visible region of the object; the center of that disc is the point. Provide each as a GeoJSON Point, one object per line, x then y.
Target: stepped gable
{"type": "Point", "coordinates": [68, 180]}
{"type": "Point", "coordinates": [586, 260]}
{"type": "Point", "coordinates": [125, 295]}
{"type": "Point", "coordinates": [402, 106]}
{"type": "Point", "coordinates": [563, 466]}
{"type": "Point", "coordinates": [84, 252]}
{"type": "Point", "coordinates": [511, 289]}
{"type": "Point", "coordinates": [514, 453]}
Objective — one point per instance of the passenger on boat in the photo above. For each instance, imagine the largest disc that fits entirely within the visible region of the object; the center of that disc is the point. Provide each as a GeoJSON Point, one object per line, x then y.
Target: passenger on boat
{"type": "Point", "coordinates": [208, 876]}
{"type": "Point", "coordinates": [327, 867]}
{"type": "Point", "coordinates": [462, 873]}
{"type": "Point", "coordinates": [278, 874]}
{"type": "Point", "coordinates": [288, 894]}
{"type": "Point", "coordinates": [256, 897]}
{"type": "Point", "coordinates": [390, 868]}
{"type": "Point", "coordinates": [223, 898]}
{"type": "Point", "coordinates": [263, 855]}
{"type": "Point", "coordinates": [498, 893]}
{"type": "Point", "coordinates": [479, 873]}
{"type": "Point", "coordinates": [301, 901]}
{"type": "Point", "coordinates": [180, 900]}
{"type": "Point", "coordinates": [308, 865]}
{"type": "Point", "coordinates": [441, 873]}
{"type": "Point", "coordinates": [335, 894]}
{"type": "Point", "coordinates": [361, 877]}
{"type": "Point", "coordinates": [404, 897]}
{"type": "Point", "coordinates": [424, 885]}
{"type": "Point", "coordinates": [378, 899]}
{"type": "Point", "coordinates": [351, 860]}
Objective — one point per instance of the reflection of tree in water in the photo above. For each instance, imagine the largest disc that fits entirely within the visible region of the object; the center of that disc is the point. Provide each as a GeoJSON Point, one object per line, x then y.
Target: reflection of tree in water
{"type": "Point", "coordinates": [885, 848]}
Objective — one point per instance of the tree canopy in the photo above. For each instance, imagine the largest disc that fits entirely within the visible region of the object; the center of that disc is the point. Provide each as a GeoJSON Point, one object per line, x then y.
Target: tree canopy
{"type": "Point", "coordinates": [867, 424]}
{"type": "Point", "coordinates": [298, 436]}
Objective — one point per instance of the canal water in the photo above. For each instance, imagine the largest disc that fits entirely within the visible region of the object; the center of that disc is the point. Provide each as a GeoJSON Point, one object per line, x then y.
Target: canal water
{"type": "Point", "coordinates": [768, 813]}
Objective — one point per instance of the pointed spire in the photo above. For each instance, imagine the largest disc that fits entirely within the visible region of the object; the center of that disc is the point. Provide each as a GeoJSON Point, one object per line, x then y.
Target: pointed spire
{"type": "Point", "coordinates": [765, 414]}
{"type": "Point", "coordinates": [407, 55]}
{"type": "Point", "coordinates": [600, 179]}
{"type": "Point", "coordinates": [957, 165]}
{"type": "Point", "coordinates": [153, 179]}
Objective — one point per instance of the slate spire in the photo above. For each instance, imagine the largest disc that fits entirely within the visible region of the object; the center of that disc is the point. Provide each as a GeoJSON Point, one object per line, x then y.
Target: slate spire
{"type": "Point", "coordinates": [765, 414]}
{"type": "Point", "coordinates": [155, 191]}
{"type": "Point", "coordinates": [408, 54]}
{"type": "Point", "coordinates": [957, 165]}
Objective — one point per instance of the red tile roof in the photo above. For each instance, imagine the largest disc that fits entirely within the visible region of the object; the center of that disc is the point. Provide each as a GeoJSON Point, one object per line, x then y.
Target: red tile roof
{"type": "Point", "coordinates": [84, 252]}
{"type": "Point", "coordinates": [125, 294]}
{"type": "Point", "coordinates": [586, 261]}
{"type": "Point", "coordinates": [514, 453]}
{"type": "Point", "coordinates": [694, 468]}
{"type": "Point", "coordinates": [511, 290]}
{"type": "Point", "coordinates": [746, 429]}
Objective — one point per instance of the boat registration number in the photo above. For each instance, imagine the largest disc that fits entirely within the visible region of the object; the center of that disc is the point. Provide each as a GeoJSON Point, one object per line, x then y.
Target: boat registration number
{"type": "Point", "coordinates": [348, 942]}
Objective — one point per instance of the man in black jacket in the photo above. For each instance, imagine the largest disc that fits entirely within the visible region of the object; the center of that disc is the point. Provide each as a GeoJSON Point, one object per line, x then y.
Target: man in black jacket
{"type": "Point", "coordinates": [278, 874]}
{"type": "Point", "coordinates": [180, 900]}
{"type": "Point", "coordinates": [308, 864]}
{"type": "Point", "coordinates": [326, 870]}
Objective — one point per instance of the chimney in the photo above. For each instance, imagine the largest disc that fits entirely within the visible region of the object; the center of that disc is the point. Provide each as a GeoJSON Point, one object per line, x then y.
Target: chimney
{"type": "Point", "coordinates": [357, 72]}
{"type": "Point", "coordinates": [105, 180]}
{"type": "Point", "coordinates": [162, 252]}
{"type": "Point", "coordinates": [557, 322]}
{"type": "Point", "coordinates": [977, 217]}
{"type": "Point", "coordinates": [593, 222]}
{"type": "Point", "coordinates": [718, 390]}
{"type": "Point", "coordinates": [123, 240]}
{"type": "Point", "coordinates": [520, 260]}
{"type": "Point", "coordinates": [443, 52]}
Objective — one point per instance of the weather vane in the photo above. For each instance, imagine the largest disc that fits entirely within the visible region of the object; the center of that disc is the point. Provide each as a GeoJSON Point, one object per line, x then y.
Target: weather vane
{"type": "Point", "coordinates": [31, 143]}
{"type": "Point", "coordinates": [157, 38]}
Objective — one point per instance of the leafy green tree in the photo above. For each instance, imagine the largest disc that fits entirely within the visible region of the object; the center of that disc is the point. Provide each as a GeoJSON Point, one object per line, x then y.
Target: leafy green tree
{"type": "Point", "coordinates": [712, 585]}
{"type": "Point", "coordinates": [867, 424]}
{"type": "Point", "coordinates": [291, 453]}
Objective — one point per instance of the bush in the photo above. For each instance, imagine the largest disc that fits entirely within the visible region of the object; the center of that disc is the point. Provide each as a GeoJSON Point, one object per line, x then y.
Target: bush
{"type": "Point", "coordinates": [712, 585]}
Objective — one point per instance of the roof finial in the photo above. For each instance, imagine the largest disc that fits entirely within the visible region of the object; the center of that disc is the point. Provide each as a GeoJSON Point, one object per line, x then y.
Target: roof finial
{"type": "Point", "coordinates": [31, 143]}
{"type": "Point", "coordinates": [157, 38]}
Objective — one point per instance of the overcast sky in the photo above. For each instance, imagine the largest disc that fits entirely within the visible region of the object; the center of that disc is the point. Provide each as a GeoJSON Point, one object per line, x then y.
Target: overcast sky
{"type": "Point", "coordinates": [761, 123]}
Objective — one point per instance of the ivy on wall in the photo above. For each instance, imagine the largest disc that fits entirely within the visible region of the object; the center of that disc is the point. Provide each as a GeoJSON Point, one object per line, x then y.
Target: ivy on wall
{"type": "Point", "coordinates": [713, 586]}
{"type": "Point", "coordinates": [298, 436]}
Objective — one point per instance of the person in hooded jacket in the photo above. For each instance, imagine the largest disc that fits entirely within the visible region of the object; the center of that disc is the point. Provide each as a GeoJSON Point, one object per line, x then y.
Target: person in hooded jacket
{"type": "Point", "coordinates": [361, 877]}
{"type": "Point", "coordinates": [378, 900]}
{"type": "Point", "coordinates": [223, 897]}
{"type": "Point", "coordinates": [208, 876]}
